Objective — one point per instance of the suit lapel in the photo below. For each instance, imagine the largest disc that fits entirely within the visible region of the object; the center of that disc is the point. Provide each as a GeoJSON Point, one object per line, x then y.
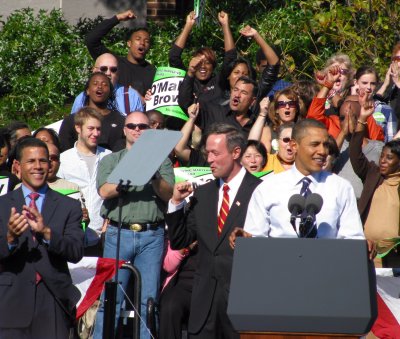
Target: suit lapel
{"type": "Point", "coordinates": [19, 200]}
{"type": "Point", "coordinates": [49, 206]}
{"type": "Point", "coordinates": [239, 204]}
{"type": "Point", "coordinates": [211, 214]}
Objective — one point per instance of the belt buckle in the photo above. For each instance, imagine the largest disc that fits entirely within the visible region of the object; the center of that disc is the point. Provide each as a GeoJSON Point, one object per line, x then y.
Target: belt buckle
{"type": "Point", "coordinates": [135, 227]}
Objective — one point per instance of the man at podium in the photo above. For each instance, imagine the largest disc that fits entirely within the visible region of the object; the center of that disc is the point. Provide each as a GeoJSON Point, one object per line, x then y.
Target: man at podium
{"type": "Point", "coordinates": [304, 201]}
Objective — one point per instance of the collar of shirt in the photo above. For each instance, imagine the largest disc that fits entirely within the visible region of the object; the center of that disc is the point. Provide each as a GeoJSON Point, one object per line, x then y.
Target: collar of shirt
{"type": "Point", "coordinates": [298, 177]}
{"type": "Point", "coordinates": [234, 185]}
{"type": "Point", "coordinates": [39, 202]}
{"type": "Point", "coordinates": [98, 150]}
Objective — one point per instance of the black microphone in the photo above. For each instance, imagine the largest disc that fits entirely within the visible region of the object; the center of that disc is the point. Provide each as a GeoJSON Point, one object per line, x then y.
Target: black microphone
{"type": "Point", "coordinates": [312, 207]}
{"type": "Point", "coordinates": [296, 206]}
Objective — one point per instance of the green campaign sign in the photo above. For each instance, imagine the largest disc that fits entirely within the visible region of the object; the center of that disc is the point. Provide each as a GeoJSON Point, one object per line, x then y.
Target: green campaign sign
{"type": "Point", "coordinates": [164, 92]}
{"type": "Point", "coordinates": [201, 175]}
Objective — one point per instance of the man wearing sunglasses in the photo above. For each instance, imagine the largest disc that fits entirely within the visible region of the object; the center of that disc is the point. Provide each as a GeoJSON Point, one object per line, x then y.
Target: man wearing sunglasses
{"type": "Point", "coordinates": [128, 100]}
{"type": "Point", "coordinates": [142, 233]}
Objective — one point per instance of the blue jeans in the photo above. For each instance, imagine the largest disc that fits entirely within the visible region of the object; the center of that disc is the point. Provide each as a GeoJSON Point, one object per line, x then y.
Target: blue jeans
{"type": "Point", "coordinates": [145, 251]}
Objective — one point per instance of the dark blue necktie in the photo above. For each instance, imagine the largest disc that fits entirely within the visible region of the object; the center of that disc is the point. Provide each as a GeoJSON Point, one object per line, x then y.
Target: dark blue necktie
{"type": "Point", "coordinates": [304, 229]}
{"type": "Point", "coordinates": [305, 189]}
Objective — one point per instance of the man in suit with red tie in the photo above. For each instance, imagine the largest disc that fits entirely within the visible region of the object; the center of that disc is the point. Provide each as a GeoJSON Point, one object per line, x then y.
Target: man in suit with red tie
{"type": "Point", "coordinates": [39, 233]}
{"type": "Point", "coordinates": [215, 209]}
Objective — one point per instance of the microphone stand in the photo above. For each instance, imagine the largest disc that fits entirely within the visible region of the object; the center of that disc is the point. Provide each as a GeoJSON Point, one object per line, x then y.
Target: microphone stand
{"type": "Point", "coordinates": [110, 297]}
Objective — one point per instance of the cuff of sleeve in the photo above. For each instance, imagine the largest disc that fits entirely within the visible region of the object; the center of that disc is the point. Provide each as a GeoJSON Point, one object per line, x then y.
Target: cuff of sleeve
{"type": "Point", "coordinates": [173, 208]}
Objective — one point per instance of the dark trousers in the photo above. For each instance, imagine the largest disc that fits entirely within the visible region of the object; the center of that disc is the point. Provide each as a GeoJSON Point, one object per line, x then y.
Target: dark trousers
{"type": "Point", "coordinates": [174, 309]}
{"type": "Point", "coordinates": [218, 325]}
{"type": "Point", "coordinates": [49, 320]}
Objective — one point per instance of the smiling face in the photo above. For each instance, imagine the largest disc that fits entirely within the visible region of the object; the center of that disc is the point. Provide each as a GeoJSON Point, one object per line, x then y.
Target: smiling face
{"type": "Point", "coordinates": [89, 134]}
{"type": "Point", "coordinates": [389, 162]}
{"type": "Point", "coordinates": [139, 45]}
{"type": "Point", "coordinates": [205, 69]}
{"type": "Point", "coordinates": [286, 109]}
{"type": "Point", "coordinates": [252, 160]}
{"type": "Point", "coordinates": [311, 150]}
{"type": "Point", "coordinates": [33, 167]}
{"type": "Point", "coordinates": [98, 90]}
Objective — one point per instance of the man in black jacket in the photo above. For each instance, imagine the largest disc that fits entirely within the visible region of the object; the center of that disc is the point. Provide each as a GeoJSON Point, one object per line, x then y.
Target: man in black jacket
{"type": "Point", "coordinates": [216, 208]}
{"type": "Point", "coordinates": [134, 70]}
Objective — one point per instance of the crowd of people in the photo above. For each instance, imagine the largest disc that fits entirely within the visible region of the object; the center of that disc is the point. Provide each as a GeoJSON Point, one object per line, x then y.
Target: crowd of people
{"type": "Point", "coordinates": [336, 135]}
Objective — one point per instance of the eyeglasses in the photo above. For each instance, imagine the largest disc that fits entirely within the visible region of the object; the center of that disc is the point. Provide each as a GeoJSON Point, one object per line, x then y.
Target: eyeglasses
{"type": "Point", "coordinates": [140, 126]}
{"type": "Point", "coordinates": [285, 140]}
{"type": "Point", "coordinates": [344, 71]}
{"type": "Point", "coordinates": [396, 58]}
{"type": "Point", "coordinates": [291, 103]}
{"type": "Point", "coordinates": [54, 157]}
{"type": "Point", "coordinates": [104, 69]}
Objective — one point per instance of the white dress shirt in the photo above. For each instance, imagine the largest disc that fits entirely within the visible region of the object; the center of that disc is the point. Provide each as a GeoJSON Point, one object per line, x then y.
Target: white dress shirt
{"type": "Point", "coordinates": [73, 168]}
{"type": "Point", "coordinates": [268, 214]}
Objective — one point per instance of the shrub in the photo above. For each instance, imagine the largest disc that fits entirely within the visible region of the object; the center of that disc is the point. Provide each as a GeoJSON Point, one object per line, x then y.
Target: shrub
{"type": "Point", "coordinates": [44, 62]}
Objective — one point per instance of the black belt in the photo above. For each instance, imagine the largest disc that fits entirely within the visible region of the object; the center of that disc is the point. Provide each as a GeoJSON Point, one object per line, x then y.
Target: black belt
{"type": "Point", "coordinates": [138, 226]}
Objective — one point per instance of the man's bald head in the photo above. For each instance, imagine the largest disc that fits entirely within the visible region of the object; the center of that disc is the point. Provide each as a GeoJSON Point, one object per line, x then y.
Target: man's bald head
{"type": "Point", "coordinates": [107, 64]}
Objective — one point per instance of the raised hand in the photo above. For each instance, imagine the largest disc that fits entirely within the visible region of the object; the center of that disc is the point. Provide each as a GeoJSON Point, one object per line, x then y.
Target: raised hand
{"type": "Point", "coordinates": [181, 191]}
{"type": "Point", "coordinates": [248, 31]}
{"type": "Point", "coordinates": [333, 73]}
{"type": "Point", "coordinates": [320, 77]}
{"type": "Point", "coordinates": [148, 95]}
{"type": "Point", "coordinates": [194, 64]}
{"type": "Point", "coordinates": [127, 15]}
{"type": "Point", "coordinates": [264, 104]}
{"type": "Point", "coordinates": [193, 111]}
{"type": "Point", "coordinates": [191, 19]}
{"type": "Point", "coordinates": [223, 18]}
{"type": "Point", "coordinates": [366, 103]}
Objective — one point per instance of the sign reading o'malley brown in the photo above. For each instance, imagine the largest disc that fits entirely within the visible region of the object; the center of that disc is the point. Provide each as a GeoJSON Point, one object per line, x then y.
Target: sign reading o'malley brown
{"type": "Point", "coordinates": [164, 92]}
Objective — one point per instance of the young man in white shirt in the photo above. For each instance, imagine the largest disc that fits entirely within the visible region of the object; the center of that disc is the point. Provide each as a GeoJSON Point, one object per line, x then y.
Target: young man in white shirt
{"type": "Point", "coordinates": [79, 165]}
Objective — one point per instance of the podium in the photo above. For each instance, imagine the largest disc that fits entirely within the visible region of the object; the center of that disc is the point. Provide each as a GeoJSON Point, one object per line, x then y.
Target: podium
{"type": "Point", "coordinates": [302, 288]}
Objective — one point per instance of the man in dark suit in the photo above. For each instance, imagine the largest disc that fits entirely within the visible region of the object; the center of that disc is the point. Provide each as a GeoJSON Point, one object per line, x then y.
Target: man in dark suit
{"type": "Point", "coordinates": [39, 233]}
{"type": "Point", "coordinates": [215, 209]}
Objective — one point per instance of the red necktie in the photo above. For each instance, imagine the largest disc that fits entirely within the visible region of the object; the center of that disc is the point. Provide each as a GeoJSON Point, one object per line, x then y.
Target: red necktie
{"type": "Point", "coordinates": [223, 212]}
{"type": "Point", "coordinates": [34, 196]}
